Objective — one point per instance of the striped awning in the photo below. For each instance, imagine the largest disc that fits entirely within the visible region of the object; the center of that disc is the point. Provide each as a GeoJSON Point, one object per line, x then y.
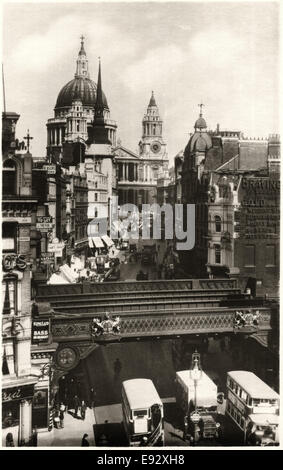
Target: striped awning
{"type": "Point", "coordinates": [107, 240]}
{"type": "Point", "coordinates": [97, 242]}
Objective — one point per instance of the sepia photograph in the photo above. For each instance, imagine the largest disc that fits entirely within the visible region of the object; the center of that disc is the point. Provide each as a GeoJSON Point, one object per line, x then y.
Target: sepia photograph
{"type": "Point", "coordinates": [140, 225]}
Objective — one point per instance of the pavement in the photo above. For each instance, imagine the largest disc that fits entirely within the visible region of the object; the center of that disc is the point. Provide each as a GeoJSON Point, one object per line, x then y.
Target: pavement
{"type": "Point", "coordinates": [72, 433]}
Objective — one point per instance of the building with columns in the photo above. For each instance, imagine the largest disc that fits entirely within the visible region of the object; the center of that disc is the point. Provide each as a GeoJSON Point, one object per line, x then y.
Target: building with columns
{"type": "Point", "coordinates": [138, 173]}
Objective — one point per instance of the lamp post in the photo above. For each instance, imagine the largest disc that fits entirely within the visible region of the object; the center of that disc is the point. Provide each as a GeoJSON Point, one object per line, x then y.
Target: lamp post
{"type": "Point", "coordinates": [195, 375]}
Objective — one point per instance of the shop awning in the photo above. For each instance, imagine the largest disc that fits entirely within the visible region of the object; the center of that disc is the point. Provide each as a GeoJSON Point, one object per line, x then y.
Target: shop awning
{"type": "Point", "coordinates": [98, 243]}
{"type": "Point", "coordinates": [107, 240]}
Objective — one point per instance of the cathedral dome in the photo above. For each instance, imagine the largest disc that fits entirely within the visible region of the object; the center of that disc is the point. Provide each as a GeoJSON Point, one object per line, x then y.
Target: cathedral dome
{"type": "Point", "coordinates": [200, 123]}
{"type": "Point", "coordinates": [79, 87]}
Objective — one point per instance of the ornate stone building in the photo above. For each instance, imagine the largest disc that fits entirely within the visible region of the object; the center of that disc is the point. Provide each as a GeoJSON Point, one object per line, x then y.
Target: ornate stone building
{"type": "Point", "coordinates": [217, 168]}
{"type": "Point", "coordinates": [74, 114]}
{"type": "Point", "coordinates": [138, 173]}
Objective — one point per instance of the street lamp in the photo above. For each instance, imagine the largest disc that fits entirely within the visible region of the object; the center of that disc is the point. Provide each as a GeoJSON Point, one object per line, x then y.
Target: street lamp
{"type": "Point", "coordinates": [195, 375]}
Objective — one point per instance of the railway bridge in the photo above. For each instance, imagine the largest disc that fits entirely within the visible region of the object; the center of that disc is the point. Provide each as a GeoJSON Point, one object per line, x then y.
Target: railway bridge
{"type": "Point", "coordinates": [87, 315]}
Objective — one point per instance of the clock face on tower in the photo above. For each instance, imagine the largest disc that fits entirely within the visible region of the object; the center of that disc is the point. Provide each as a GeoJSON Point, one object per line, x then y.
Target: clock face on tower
{"type": "Point", "coordinates": [155, 147]}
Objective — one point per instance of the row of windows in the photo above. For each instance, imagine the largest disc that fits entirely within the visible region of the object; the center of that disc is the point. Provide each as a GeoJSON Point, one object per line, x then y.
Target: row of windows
{"type": "Point", "coordinates": [236, 415]}
{"type": "Point", "coordinates": [239, 392]}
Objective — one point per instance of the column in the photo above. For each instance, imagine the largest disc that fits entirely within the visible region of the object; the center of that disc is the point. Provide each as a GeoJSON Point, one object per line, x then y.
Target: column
{"type": "Point", "coordinates": [25, 421]}
{"type": "Point", "coordinates": [9, 350]}
{"type": "Point", "coordinates": [127, 172]}
{"type": "Point", "coordinates": [123, 171]}
{"type": "Point", "coordinates": [136, 176]}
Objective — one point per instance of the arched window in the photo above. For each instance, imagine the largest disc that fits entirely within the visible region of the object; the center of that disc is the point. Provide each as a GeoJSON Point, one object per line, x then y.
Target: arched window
{"type": "Point", "coordinates": [9, 177]}
{"type": "Point", "coordinates": [9, 295]}
{"type": "Point", "coordinates": [217, 220]}
{"type": "Point", "coordinates": [217, 254]}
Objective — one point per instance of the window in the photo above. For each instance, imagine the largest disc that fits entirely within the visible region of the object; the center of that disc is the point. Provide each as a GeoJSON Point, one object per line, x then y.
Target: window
{"type": "Point", "coordinates": [95, 197]}
{"type": "Point", "coordinates": [9, 235]}
{"type": "Point", "coordinates": [217, 220]}
{"type": "Point", "coordinates": [249, 256]}
{"type": "Point", "coordinates": [9, 295]}
{"type": "Point", "coordinates": [270, 255]}
{"type": "Point", "coordinates": [231, 384]}
{"type": "Point", "coordinates": [9, 177]}
{"type": "Point", "coordinates": [140, 413]}
{"type": "Point", "coordinates": [217, 254]}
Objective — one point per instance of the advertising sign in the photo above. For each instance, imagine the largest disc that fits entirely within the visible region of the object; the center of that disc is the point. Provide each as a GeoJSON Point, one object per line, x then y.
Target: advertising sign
{"type": "Point", "coordinates": [51, 169]}
{"type": "Point", "coordinates": [44, 224]}
{"type": "Point", "coordinates": [40, 331]}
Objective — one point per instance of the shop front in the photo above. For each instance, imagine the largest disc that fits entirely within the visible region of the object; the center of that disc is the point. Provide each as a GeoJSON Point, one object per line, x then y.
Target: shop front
{"type": "Point", "coordinates": [17, 414]}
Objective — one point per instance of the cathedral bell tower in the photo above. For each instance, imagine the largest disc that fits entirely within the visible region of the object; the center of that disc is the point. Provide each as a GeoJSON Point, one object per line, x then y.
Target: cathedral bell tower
{"type": "Point", "coordinates": [152, 144]}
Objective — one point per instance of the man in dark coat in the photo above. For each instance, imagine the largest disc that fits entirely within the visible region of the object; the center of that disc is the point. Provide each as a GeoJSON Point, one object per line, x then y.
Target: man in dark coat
{"type": "Point", "coordinates": [76, 404]}
{"type": "Point", "coordinates": [85, 442]}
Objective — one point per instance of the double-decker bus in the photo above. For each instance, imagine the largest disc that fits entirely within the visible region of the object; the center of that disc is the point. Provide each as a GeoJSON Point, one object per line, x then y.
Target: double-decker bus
{"type": "Point", "coordinates": [143, 416]}
{"type": "Point", "coordinates": [254, 408]}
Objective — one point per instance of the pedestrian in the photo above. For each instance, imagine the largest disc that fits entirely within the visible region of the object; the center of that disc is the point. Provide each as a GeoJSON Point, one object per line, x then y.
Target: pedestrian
{"type": "Point", "coordinates": [117, 367]}
{"type": "Point", "coordinates": [186, 425]}
{"type": "Point", "coordinates": [10, 440]}
{"type": "Point", "coordinates": [85, 442]}
{"type": "Point", "coordinates": [62, 407]}
{"type": "Point", "coordinates": [92, 397]}
{"type": "Point", "coordinates": [34, 437]}
{"type": "Point", "coordinates": [57, 420]}
{"type": "Point", "coordinates": [83, 409]}
{"type": "Point", "coordinates": [76, 404]}
{"type": "Point", "coordinates": [61, 417]}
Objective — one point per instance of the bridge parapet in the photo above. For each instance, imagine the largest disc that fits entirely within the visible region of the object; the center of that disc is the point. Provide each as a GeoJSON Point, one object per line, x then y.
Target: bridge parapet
{"type": "Point", "coordinates": [152, 324]}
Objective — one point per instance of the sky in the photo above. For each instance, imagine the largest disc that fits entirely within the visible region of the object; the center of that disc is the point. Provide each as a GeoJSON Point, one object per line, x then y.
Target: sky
{"type": "Point", "coordinates": [225, 55]}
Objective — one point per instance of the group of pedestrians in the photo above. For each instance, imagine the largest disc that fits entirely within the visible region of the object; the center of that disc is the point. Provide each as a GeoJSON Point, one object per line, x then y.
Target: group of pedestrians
{"type": "Point", "coordinates": [59, 415]}
{"type": "Point", "coordinates": [79, 407]}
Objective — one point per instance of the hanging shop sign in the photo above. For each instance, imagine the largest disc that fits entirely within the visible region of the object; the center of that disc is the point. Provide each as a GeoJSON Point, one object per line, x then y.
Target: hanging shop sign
{"type": "Point", "coordinates": [47, 258]}
{"type": "Point", "coordinates": [13, 261]}
{"type": "Point", "coordinates": [51, 169]}
{"type": "Point", "coordinates": [56, 248]}
{"type": "Point", "coordinates": [44, 224]}
{"type": "Point", "coordinates": [17, 393]}
{"type": "Point", "coordinates": [40, 331]}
